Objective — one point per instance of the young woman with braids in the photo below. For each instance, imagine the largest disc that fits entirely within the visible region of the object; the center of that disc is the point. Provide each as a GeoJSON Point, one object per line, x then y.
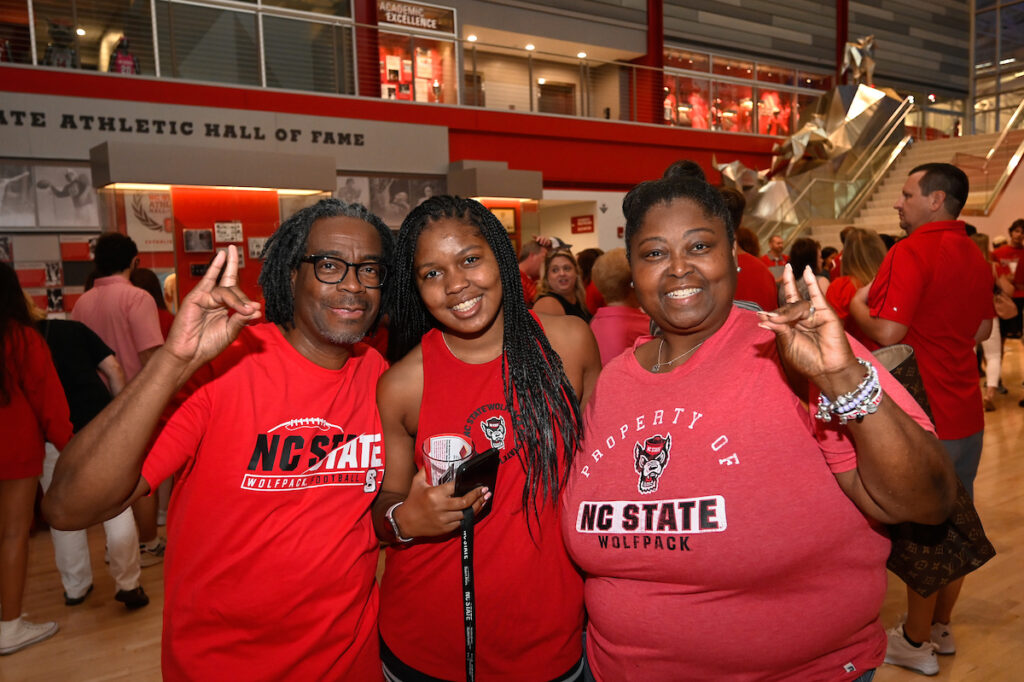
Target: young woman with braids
{"type": "Point", "coordinates": [470, 359]}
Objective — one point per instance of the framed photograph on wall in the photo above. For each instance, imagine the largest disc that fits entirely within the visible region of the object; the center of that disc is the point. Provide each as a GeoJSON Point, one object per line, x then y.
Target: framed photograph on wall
{"type": "Point", "coordinates": [507, 217]}
{"type": "Point", "coordinates": [198, 241]}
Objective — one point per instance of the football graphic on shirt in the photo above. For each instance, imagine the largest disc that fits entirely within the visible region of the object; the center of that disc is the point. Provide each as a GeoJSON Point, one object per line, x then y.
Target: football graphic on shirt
{"type": "Point", "coordinates": [651, 460]}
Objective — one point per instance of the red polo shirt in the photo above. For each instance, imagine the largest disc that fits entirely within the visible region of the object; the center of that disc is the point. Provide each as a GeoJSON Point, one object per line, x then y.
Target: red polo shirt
{"type": "Point", "coordinates": [770, 261]}
{"type": "Point", "coordinates": [936, 282]}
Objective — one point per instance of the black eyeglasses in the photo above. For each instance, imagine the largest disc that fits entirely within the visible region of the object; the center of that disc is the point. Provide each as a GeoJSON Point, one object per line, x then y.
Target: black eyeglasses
{"type": "Point", "coordinates": [331, 270]}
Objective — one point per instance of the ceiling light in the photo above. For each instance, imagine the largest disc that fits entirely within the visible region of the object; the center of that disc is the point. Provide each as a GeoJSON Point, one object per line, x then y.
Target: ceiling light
{"type": "Point", "coordinates": [542, 81]}
{"type": "Point", "coordinates": [581, 55]}
{"type": "Point", "coordinates": [471, 37]}
{"type": "Point", "coordinates": [80, 31]}
{"type": "Point", "coordinates": [530, 47]}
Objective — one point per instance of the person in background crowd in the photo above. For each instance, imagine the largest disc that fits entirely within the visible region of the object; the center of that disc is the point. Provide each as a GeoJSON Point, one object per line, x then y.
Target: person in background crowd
{"type": "Point", "coordinates": [32, 411]}
{"type": "Point", "coordinates": [775, 256]}
{"type": "Point", "coordinates": [863, 253]}
{"type": "Point", "coordinates": [805, 253]}
{"type": "Point", "coordinates": [171, 292]}
{"type": "Point", "coordinates": [465, 350]}
{"type": "Point", "coordinates": [1011, 257]}
{"type": "Point", "coordinates": [586, 259]}
{"type": "Point", "coordinates": [81, 357]}
{"type": "Point", "coordinates": [620, 322]}
{"type": "Point", "coordinates": [992, 347]}
{"type": "Point", "coordinates": [754, 281]}
{"type": "Point", "coordinates": [531, 259]}
{"type": "Point", "coordinates": [271, 561]}
{"type": "Point", "coordinates": [837, 262]}
{"type": "Point", "coordinates": [146, 279]}
{"type": "Point", "coordinates": [692, 525]}
{"type": "Point", "coordinates": [933, 292]}
{"type": "Point", "coordinates": [561, 287]}
{"type": "Point", "coordinates": [125, 317]}
{"type": "Point", "coordinates": [829, 254]}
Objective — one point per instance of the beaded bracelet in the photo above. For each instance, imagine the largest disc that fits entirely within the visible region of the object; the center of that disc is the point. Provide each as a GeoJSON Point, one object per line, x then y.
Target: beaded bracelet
{"type": "Point", "coordinates": [856, 404]}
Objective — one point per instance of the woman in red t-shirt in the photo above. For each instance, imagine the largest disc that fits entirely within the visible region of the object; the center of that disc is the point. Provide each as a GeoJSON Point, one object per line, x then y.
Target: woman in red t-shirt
{"type": "Point", "coordinates": [33, 410]}
{"type": "Point", "coordinates": [471, 360]}
{"type": "Point", "coordinates": [863, 252]}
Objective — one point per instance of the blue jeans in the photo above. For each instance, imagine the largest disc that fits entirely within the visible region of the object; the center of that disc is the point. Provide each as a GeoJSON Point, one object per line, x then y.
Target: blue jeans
{"type": "Point", "coordinates": [966, 455]}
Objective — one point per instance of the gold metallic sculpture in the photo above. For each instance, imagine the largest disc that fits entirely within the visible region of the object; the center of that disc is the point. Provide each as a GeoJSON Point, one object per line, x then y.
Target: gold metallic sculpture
{"type": "Point", "coordinates": [859, 61]}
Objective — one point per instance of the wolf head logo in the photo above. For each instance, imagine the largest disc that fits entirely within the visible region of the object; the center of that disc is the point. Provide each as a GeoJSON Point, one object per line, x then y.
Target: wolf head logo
{"type": "Point", "coordinates": [651, 459]}
{"type": "Point", "coordinates": [494, 430]}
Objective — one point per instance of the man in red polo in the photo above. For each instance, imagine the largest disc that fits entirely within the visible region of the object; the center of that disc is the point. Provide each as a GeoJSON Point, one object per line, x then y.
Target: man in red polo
{"type": "Point", "coordinates": [934, 292]}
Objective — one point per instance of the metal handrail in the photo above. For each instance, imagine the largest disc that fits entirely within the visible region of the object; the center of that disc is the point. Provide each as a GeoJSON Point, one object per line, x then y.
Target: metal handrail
{"type": "Point", "coordinates": [1006, 130]}
{"type": "Point", "coordinates": [898, 116]}
{"type": "Point", "coordinates": [1011, 166]}
{"type": "Point", "coordinates": [854, 206]}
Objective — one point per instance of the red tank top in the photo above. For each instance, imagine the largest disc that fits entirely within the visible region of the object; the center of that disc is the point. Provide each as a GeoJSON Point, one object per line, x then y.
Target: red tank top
{"type": "Point", "coordinates": [529, 596]}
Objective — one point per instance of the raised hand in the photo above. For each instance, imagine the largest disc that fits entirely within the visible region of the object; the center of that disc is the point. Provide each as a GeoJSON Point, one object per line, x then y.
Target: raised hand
{"type": "Point", "coordinates": [810, 336]}
{"type": "Point", "coordinates": [429, 511]}
{"type": "Point", "coordinates": [212, 315]}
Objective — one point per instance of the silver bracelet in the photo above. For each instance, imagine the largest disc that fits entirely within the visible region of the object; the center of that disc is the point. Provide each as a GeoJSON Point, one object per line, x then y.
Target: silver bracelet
{"type": "Point", "coordinates": [390, 516]}
{"type": "Point", "coordinates": [856, 404]}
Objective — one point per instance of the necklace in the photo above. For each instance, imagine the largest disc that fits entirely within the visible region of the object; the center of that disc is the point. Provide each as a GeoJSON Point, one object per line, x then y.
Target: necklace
{"type": "Point", "coordinates": [659, 364]}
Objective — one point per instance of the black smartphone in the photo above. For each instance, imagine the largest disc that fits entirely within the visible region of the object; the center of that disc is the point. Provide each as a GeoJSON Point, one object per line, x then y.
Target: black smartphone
{"type": "Point", "coordinates": [479, 470]}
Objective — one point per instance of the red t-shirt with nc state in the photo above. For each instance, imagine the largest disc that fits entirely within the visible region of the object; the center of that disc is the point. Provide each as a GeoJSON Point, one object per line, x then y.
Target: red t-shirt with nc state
{"type": "Point", "coordinates": [940, 287]}
{"type": "Point", "coordinates": [271, 553]}
{"type": "Point", "coordinates": [714, 539]}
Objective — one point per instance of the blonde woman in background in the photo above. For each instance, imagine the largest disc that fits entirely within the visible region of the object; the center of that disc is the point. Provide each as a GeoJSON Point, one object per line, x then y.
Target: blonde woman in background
{"type": "Point", "coordinates": [560, 291]}
{"type": "Point", "coordinates": [863, 252]}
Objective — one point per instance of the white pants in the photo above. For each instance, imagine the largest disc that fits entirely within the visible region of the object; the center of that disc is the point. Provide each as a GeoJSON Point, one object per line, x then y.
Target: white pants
{"type": "Point", "coordinates": [992, 348]}
{"type": "Point", "coordinates": [72, 547]}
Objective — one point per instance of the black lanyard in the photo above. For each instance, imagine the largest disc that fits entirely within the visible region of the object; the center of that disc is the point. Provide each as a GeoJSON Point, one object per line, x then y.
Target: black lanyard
{"type": "Point", "coordinates": [468, 596]}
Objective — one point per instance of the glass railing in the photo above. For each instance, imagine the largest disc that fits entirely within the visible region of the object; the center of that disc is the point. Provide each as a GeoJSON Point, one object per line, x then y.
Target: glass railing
{"type": "Point", "coordinates": [838, 198]}
{"type": "Point", "coordinates": [317, 47]}
{"type": "Point", "coordinates": [989, 174]}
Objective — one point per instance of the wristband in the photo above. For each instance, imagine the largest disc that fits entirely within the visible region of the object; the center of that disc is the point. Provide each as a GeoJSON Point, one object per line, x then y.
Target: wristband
{"type": "Point", "coordinates": [856, 404]}
{"type": "Point", "coordinates": [390, 516]}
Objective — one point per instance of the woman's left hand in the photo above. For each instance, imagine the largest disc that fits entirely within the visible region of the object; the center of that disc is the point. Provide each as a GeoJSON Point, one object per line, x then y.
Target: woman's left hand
{"type": "Point", "coordinates": [810, 335]}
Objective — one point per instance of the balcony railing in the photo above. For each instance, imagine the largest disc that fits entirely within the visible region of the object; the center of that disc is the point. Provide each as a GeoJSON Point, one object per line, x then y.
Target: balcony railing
{"type": "Point", "coordinates": [316, 46]}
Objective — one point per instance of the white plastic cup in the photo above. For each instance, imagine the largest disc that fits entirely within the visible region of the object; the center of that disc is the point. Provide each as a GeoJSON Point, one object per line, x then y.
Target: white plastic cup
{"type": "Point", "coordinates": [442, 455]}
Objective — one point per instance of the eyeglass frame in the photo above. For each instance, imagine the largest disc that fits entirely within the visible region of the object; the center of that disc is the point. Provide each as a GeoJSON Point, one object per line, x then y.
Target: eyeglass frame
{"type": "Point", "coordinates": [316, 258]}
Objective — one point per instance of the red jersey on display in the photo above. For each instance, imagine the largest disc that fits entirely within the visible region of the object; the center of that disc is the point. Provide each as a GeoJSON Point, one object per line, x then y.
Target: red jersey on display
{"type": "Point", "coordinates": [271, 553]}
{"type": "Point", "coordinates": [1012, 259]}
{"type": "Point", "coordinates": [529, 596]}
{"type": "Point", "coordinates": [938, 284]}
{"type": "Point", "coordinates": [705, 515]}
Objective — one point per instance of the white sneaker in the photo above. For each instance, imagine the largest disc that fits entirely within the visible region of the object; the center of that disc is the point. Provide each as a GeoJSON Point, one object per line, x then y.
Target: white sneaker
{"type": "Point", "coordinates": [900, 652]}
{"type": "Point", "coordinates": [942, 638]}
{"type": "Point", "coordinates": [17, 634]}
{"type": "Point", "coordinates": [151, 557]}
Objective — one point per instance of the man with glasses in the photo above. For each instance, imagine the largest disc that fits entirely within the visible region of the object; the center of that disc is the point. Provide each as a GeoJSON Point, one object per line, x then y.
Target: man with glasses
{"type": "Point", "coordinates": [277, 454]}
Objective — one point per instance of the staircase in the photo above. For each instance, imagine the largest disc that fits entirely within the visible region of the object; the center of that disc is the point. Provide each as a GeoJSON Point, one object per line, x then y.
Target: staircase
{"type": "Point", "coordinates": [966, 152]}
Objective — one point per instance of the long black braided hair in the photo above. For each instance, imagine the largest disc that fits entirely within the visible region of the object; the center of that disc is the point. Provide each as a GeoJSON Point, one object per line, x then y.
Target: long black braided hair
{"type": "Point", "coordinates": [531, 370]}
{"type": "Point", "coordinates": [284, 251]}
{"type": "Point", "coordinates": [13, 314]}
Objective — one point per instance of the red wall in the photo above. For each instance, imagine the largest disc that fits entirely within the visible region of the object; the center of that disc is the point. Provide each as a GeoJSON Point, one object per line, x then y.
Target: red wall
{"type": "Point", "coordinates": [199, 209]}
{"type": "Point", "coordinates": [570, 152]}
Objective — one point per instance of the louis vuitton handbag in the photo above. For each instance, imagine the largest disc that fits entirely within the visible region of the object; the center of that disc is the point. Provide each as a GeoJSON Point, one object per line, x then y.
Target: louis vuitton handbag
{"type": "Point", "coordinates": [929, 557]}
